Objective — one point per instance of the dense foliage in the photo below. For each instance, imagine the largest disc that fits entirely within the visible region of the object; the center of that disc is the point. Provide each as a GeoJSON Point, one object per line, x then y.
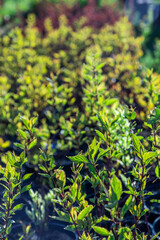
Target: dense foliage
{"type": "Point", "coordinates": [78, 92]}
{"type": "Point", "coordinates": [117, 173]}
{"type": "Point", "coordinates": [45, 76]}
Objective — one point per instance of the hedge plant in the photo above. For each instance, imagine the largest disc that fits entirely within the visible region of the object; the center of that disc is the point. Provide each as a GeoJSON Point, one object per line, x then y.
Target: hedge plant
{"type": "Point", "coordinates": [47, 76]}
{"type": "Point", "coordinates": [96, 200]}
{"type": "Point", "coordinates": [109, 180]}
{"type": "Point", "coordinates": [106, 194]}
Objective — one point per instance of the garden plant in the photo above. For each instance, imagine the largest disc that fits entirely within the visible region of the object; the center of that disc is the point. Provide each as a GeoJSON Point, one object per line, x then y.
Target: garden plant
{"type": "Point", "coordinates": [79, 96]}
{"type": "Point", "coordinates": [43, 75]}
{"type": "Point", "coordinates": [117, 166]}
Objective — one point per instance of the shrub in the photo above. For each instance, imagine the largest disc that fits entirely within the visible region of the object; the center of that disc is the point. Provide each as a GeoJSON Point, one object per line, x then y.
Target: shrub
{"type": "Point", "coordinates": [96, 15]}
{"type": "Point", "coordinates": [93, 15]}
{"type": "Point", "coordinates": [13, 178]}
{"type": "Point", "coordinates": [116, 190]}
{"type": "Point", "coordinates": [44, 76]}
{"type": "Point", "coordinates": [109, 181]}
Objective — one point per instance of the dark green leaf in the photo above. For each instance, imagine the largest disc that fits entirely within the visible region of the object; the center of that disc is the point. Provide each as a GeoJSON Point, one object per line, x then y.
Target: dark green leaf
{"type": "Point", "coordinates": [126, 206]}
{"type": "Point", "coordinates": [26, 188]}
{"type": "Point", "coordinates": [45, 175]}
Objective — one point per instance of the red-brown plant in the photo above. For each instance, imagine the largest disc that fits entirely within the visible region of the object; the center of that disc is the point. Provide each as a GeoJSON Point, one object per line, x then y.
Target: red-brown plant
{"type": "Point", "coordinates": [95, 16]}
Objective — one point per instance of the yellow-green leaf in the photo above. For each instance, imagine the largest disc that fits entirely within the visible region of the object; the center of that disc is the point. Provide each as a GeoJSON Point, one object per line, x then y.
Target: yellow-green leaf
{"type": "Point", "coordinates": [102, 231]}
{"type": "Point", "coordinates": [85, 212]}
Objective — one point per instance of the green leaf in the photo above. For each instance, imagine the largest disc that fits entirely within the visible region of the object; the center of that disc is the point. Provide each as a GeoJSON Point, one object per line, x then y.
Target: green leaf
{"type": "Point", "coordinates": [102, 153]}
{"type": "Point", "coordinates": [92, 150]}
{"type": "Point", "coordinates": [42, 168]}
{"type": "Point", "coordinates": [60, 177]}
{"type": "Point", "coordinates": [125, 233]}
{"type": "Point", "coordinates": [11, 158]}
{"type": "Point", "coordinates": [27, 176]}
{"type": "Point", "coordinates": [131, 115]}
{"type": "Point", "coordinates": [99, 134]}
{"type": "Point", "coordinates": [9, 226]}
{"type": "Point", "coordinates": [18, 207]}
{"type": "Point", "coordinates": [32, 144]}
{"type": "Point", "coordinates": [4, 186]}
{"type": "Point", "coordinates": [22, 133]}
{"type": "Point", "coordinates": [19, 145]}
{"type": "Point", "coordinates": [34, 121]}
{"type": "Point", "coordinates": [22, 157]}
{"type": "Point", "coordinates": [136, 143]}
{"type": "Point", "coordinates": [71, 228]}
{"type": "Point", "coordinates": [16, 196]}
{"type": "Point", "coordinates": [63, 216]}
{"type": "Point", "coordinates": [45, 175]}
{"type": "Point", "coordinates": [126, 206]}
{"type": "Point", "coordinates": [148, 155]}
{"type": "Point", "coordinates": [143, 212]}
{"type": "Point", "coordinates": [113, 121]}
{"type": "Point", "coordinates": [100, 66]}
{"type": "Point", "coordinates": [138, 146]}
{"type": "Point", "coordinates": [79, 159]}
{"type": "Point", "coordinates": [84, 237]}
{"type": "Point", "coordinates": [74, 190]}
{"type": "Point", "coordinates": [109, 102]}
{"type": "Point", "coordinates": [116, 187]}
{"type": "Point", "coordinates": [25, 122]}
{"type": "Point", "coordinates": [103, 122]}
{"type": "Point", "coordinates": [43, 156]}
{"type": "Point", "coordinates": [157, 171]}
{"type": "Point", "coordinates": [92, 169]}
{"type": "Point", "coordinates": [26, 188]}
{"type": "Point", "coordinates": [143, 185]}
{"type": "Point", "coordinates": [148, 125]}
{"type": "Point", "coordinates": [85, 212]}
{"type": "Point", "coordinates": [157, 111]}
{"type": "Point", "coordinates": [100, 219]}
{"type": "Point", "coordinates": [155, 236]}
{"type": "Point", "coordinates": [102, 231]}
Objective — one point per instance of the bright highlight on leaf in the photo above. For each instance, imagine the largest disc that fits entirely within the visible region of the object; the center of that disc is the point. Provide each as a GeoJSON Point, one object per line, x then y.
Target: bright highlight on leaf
{"type": "Point", "coordinates": [79, 159]}
{"type": "Point", "coordinates": [102, 231]}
